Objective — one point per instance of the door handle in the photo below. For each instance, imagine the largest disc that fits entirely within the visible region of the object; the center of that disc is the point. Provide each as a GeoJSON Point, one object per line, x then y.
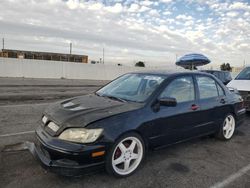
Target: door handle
{"type": "Point", "coordinates": [194, 107]}
{"type": "Point", "coordinates": [222, 101]}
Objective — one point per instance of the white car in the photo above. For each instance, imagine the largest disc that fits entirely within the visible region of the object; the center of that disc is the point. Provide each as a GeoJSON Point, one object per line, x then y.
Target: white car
{"type": "Point", "coordinates": [242, 84]}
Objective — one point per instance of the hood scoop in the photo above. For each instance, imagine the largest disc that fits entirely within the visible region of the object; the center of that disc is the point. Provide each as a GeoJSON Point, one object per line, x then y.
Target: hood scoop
{"type": "Point", "coordinates": [72, 106]}
{"type": "Point", "coordinates": [68, 104]}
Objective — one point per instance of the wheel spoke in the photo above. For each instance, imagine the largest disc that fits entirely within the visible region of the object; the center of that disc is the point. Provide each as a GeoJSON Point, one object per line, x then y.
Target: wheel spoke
{"type": "Point", "coordinates": [231, 121]}
{"type": "Point", "coordinates": [132, 145]}
{"type": "Point", "coordinates": [225, 126]}
{"type": "Point", "coordinates": [134, 156]}
{"type": "Point", "coordinates": [126, 165]}
{"type": "Point", "coordinates": [227, 132]}
{"type": "Point", "coordinates": [122, 147]}
{"type": "Point", "coordinates": [119, 160]}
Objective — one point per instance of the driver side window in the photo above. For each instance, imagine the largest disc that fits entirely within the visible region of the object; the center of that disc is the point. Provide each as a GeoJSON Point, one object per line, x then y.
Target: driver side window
{"type": "Point", "coordinates": [182, 89]}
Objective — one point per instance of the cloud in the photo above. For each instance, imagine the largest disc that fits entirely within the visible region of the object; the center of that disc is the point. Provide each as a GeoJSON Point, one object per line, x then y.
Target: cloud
{"type": "Point", "coordinates": [184, 17]}
{"type": "Point", "coordinates": [232, 14]}
{"type": "Point", "coordinates": [154, 12]}
{"type": "Point", "coordinates": [153, 31]}
{"type": "Point", "coordinates": [146, 3]}
{"type": "Point", "coordinates": [165, 1]}
{"type": "Point", "coordinates": [133, 7]}
{"type": "Point", "coordinates": [117, 8]}
{"type": "Point", "coordinates": [239, 6]}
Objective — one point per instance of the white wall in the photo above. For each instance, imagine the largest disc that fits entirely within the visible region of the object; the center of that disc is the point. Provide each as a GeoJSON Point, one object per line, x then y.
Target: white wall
{"type": "Point", "coordinates": [10, 67]}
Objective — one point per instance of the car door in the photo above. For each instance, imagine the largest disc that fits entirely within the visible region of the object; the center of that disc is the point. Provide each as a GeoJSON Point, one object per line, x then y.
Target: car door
{"type": "Point", "coordinates": [210, 102]}
{"type": "Point", "coordinates": [171, 124]}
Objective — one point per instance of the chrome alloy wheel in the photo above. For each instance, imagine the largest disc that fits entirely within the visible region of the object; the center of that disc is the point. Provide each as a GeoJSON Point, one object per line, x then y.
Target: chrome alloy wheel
{"type": "Point", "coordinates": [127, 155]}
{"type": "Point", "coordinates": [228, 126]}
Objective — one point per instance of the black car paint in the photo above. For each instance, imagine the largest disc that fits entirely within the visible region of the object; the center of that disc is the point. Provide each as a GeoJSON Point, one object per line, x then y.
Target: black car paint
{"type": "Point", "coordinates": [94, 108]}
{"type": "Point", "coordinates": [158, 125]}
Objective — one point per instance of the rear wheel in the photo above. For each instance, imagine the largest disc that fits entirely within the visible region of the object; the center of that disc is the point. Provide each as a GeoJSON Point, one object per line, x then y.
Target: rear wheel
{"type": "Point", "coordinates": [126, 155]}
{"type": "Point", "coordinates": [227, 128]}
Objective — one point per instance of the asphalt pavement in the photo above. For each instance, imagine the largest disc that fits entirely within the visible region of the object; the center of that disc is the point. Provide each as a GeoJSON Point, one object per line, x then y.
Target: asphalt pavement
{"type": "Point", "coordinates": [203, 162]}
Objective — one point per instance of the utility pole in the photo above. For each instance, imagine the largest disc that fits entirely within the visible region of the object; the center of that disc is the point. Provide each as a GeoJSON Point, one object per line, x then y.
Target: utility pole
{"type": "Point", "coordinates": [103, 55]}
{"type": "Point", "coordinates": [3, 43]}
{"type": "Point", "coordinates": [70, 48]}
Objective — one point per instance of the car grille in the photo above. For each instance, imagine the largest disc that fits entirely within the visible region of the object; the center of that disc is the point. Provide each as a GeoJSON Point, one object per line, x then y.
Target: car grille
{"type": "Point", "coordinates": [246, 97]}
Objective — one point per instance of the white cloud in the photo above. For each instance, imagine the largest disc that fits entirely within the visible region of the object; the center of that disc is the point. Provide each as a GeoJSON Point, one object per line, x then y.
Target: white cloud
{"type": "Point", "coordinates": [165, 1]}
{"type": "Point", "coordinates": [95, 6]}
{"type": "Point", "coordinates": [117, 8]}
{"type": "Point", "coordinates": [129, 30]}
{"type": "Point", "coordinates": [72, 4]}
{"type": "Point", "coordinates": [166, 13]}
{"type": "Point", "coordinates": [144, 8]}
{"type": "Point", "coordinates": [239, 5]}
{"type": "Point", "coordinates": [232, 14]}
{"type": "Point", "coordinates": [146, 3]}
{"type": "Point", "coordinates": [154, 12]}
{"type": "Point", "coordinates": [133, 7]}
{"type": "Point", "coordinates": [184, 17]}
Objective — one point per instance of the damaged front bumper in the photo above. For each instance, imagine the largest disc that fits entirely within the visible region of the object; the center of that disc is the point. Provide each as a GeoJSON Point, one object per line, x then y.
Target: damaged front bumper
{"type": "Point", "coordinates": [66, 158]}
{"type": "Point", "coordinates": [63, 166]}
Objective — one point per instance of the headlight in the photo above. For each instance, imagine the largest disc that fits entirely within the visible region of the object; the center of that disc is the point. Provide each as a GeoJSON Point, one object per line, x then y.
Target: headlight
{"type": "Point", "coordinates": [81, 135]}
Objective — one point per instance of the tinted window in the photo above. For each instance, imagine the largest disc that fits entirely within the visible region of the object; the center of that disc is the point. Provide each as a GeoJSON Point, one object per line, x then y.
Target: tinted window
{"type": "Point", "coordinates": [181, 88]}
{"type": "Point", "coordinates": [207, 87]}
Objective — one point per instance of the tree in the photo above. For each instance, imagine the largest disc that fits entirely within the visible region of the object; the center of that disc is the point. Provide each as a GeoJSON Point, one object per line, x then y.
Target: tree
{"type": "Point", "coordinates": [140, 64]}
{"type": "Point", "coordinates": [226, 67]}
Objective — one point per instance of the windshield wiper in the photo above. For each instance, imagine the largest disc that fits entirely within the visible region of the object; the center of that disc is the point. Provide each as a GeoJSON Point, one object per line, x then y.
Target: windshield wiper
{"type": "Point", "coordinates": [114, 98]}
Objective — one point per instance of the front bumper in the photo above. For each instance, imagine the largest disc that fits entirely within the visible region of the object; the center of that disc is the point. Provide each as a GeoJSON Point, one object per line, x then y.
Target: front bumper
{"type": "Point", "coordinates": [76, 160]}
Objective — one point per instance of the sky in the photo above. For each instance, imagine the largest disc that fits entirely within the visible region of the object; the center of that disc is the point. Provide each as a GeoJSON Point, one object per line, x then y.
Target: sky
{"type": "Point", "coordinates": [156, 32]}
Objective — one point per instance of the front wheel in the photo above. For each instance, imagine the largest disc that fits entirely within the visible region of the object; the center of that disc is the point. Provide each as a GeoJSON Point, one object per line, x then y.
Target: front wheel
{"type": "Point", "coordinates": [228, 127]}
{"type": "Point", "coordinates": [126, 155]}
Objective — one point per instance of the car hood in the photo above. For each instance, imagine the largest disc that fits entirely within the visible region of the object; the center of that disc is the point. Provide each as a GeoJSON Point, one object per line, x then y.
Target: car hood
{"type": "Point", "coordinates": [83, 110]}
{"type": "Point", "coordinates": [240, 85]}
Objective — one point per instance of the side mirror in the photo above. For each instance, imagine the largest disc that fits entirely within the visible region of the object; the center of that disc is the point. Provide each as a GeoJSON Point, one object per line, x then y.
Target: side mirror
{"type": "Point", "coordinates": [168, 101]}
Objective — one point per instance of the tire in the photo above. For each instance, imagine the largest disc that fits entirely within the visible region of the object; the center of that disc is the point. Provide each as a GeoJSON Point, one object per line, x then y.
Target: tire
{"type": "Point", "coordinates": [227, 128]}
{"type": "Point", "coordinates": [126, 155]}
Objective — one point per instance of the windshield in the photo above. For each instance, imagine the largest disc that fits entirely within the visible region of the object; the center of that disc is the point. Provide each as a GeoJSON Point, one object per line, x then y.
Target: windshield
{"type": "Point", "coordinates": [132, 87]}
{"type": "Point", "coordinates": [244, 74]}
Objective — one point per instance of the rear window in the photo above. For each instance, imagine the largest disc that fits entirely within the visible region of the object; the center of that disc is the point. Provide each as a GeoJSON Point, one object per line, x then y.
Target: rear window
{"type": "Point", "coordinates": [207, 87]}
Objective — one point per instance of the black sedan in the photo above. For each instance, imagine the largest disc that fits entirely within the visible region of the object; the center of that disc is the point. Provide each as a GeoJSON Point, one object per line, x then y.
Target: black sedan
{"type": "Point", "coordinates": [116, 125]}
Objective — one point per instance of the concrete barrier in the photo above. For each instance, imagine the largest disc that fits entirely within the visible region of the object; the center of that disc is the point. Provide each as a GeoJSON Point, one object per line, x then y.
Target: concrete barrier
{"type": "Point", "coordinates": [10, 67]}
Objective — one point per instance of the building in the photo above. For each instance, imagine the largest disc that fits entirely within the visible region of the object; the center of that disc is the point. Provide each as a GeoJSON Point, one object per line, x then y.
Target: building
{"type": "Point", "coordinates": [21, 54]}
{"type": "Point", "coordinates": [237, 69]}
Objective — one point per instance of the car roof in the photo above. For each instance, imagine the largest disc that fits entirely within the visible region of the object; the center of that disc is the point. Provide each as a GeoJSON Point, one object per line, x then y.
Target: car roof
{"type": "Point", "coordinates": [170, 72]}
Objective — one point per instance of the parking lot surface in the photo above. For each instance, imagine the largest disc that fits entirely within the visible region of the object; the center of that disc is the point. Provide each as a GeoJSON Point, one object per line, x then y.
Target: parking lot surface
{"type": "Point", "coordinates": [204, 162]}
